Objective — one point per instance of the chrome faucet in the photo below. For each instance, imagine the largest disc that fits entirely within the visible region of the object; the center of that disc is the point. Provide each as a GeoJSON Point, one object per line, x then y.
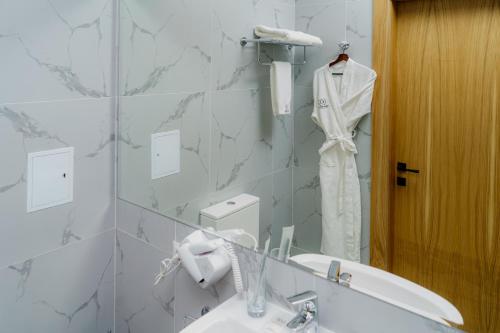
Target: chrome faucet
{"type": "Point", "coordinates": [343, 279]}
{"type": "Point", "coordinates": [306, 320]}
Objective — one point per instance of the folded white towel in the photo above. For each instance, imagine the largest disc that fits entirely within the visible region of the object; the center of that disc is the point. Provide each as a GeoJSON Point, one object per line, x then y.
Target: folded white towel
{"type": "Point", "coordinates": [281, 87]}
{"type": "Point", "coordinates": [287, 35]}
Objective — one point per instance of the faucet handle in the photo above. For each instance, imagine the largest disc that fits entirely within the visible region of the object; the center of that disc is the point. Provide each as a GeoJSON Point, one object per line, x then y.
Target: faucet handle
{"type": "Point", "coordinates": [307, 296]}
{"type": "Point", "coordinates": [334, 271]}
{"type": "Point", "coordinates": [345, 279]}
{"type": "Point", "coordinates": [307, 317]}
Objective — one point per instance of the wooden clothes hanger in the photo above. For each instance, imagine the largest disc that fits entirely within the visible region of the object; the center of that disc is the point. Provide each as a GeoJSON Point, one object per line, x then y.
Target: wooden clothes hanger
{"type": "Point", "coordinates": [344, 45]}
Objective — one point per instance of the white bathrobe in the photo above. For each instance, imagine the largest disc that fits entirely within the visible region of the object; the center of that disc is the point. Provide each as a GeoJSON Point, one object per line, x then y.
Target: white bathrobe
{"type": "Point", "coordinates": [339, 103]}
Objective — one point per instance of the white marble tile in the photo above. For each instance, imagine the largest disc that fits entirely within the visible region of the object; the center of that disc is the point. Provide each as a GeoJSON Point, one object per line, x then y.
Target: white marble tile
{"type": "Point", "coordinates": [140, 306]}
{"type": "Point", "coordinates": [64, 52]}
{"type": "Point", "coordinates": [307, 209]}
{"type": "Point", "coordinates": [150, 227]}
{"type": "Point", "coordinates": [283, 156]}
{"type": "Point", "coordinates": [141, 116]}
{"type": "Point", "coordinates": [308, 137]}
{"type": "Point", "coordinates": [359, 30]}
{"type": "Point", "coordinates": [67, 290]}
{"type": "Point", "coordinates": [165, 46]}
{"type": "Point", "coordinates": [241, 137]}
{"type": "Point", "coordinates": [86, 125]}
{"type": "Point", "coordinates": [327, 21]}
{"type": "Point", "coordinates": [282, 200]}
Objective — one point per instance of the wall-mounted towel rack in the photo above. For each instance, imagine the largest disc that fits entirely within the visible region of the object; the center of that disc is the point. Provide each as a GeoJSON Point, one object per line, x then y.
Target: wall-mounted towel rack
{"type": "Point", "coordinates": [244, 41]}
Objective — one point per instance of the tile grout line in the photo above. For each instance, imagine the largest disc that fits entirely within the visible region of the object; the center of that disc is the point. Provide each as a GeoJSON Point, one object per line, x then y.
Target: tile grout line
{"type": "Point", "coordinates": [71, 244]}
{"type": "Point", "coordinates": [116, 16]}
{"type": "Point", "coordinates": [142, 241]}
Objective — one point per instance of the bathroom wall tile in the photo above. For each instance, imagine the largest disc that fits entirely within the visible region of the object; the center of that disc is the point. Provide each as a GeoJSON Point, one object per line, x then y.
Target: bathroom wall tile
{"type": "Point", "coordinates": [241, 137]}
{"type": "Point", "coordinates": [140, 306]}
{"type": "Point", "coordinates": [67, 290]}
{"type": "Point", "coordinates": [64, 52]}
{"type": "Point", "coordinates": [359, 30]}
{"type": "Point", "coordinates": [165, 46]}
{"type": "Point", "coordinates": [282, 129]}
{"type": "Point", "coordinates": [141, 116]}
{"type": "Point", "coordinates": [236, 67]}
{"type": "Point", "coordinates": [282, 200]}
{"type": "Point", "coordinates": [327, 21]}
{"type": "Point", "coordinates": [86, 125]}
{"type": "Point", "coordinates": [263, 189]}
{"type": "Point", "coordinates": [307, 209]}
{"type": "Point", "coordinates": [191, 298]}
{"type": "Point", "coordinates": [152, 228]}
{"type": "Point", "coordinates": [308, 137]}
{"type": "Point", "coordinates": [351, 311]}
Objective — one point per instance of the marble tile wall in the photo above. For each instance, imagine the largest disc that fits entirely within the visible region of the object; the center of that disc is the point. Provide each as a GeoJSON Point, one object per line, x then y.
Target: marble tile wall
{"type": "Point", "coordinates": [56, 87]}
{"type": "Point", "coordinates": [177, 300]}
{"type": "Point", "coordinates": [333, 21]}
{"type": "Point", "coordinates": [175, 74]}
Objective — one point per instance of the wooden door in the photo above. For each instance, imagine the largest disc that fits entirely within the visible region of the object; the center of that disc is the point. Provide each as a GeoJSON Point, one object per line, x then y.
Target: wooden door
{"type": "Point", "coordinates": [445, 122]}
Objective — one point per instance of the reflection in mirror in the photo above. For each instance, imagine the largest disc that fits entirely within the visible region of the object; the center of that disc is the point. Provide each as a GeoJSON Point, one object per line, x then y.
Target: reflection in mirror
{"type": "Point", "coordinates": [202, 140]}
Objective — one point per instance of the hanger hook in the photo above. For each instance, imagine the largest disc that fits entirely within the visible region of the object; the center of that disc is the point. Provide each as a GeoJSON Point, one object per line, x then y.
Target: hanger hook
{"type": "Point", "coordinates": [344, 45]}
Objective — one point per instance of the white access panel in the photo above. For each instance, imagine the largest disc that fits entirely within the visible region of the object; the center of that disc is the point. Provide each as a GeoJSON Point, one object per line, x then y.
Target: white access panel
{"type": "Point", "coordinates": [50, 178]}
{"type": "Point", "coordinates": [165, 154]}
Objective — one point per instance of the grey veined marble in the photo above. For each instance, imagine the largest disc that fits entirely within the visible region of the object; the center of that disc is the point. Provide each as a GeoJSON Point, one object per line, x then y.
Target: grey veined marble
{"type": "Point", "coordinates": [141, 307]}
{"type": "Point", "coordinates": [63, 291]}
{"type": "Point", "coordinates": [165, 46]}
{"type": "Point", "coordinates": [141, 116]}
{"type": "Point", "coordinates": [55, 49]}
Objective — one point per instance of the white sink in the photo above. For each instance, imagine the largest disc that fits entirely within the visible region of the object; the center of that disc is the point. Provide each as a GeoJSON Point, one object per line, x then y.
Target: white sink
{"type": "Point", "coordinates": [387, 287]}
{"type": "Point", "coordinates": [226, 326]}
{"type": "Point", "coordinates": [231, 316]}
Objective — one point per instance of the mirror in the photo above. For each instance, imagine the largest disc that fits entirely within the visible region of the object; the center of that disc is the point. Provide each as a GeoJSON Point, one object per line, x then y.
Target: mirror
{"type": "Point", "coordinates": [198, 142]}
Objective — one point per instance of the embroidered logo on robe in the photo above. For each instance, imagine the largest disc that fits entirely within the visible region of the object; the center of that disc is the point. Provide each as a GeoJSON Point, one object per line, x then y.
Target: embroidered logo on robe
{"type": "Point", "coordinates": [322, 103]}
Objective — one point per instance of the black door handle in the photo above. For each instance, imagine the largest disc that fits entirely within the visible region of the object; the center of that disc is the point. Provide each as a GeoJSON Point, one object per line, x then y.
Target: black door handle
{"type": "Point", "coordinates": [402, 167]}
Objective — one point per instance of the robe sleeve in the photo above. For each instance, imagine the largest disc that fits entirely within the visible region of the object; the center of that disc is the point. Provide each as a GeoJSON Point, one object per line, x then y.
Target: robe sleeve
{"type": "Point", "coordinates": [360, 103]}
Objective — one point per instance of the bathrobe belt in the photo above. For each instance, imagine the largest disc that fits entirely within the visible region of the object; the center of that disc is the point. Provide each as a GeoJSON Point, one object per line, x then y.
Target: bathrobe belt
{"type": "Point", "coordinates": [346, 144]}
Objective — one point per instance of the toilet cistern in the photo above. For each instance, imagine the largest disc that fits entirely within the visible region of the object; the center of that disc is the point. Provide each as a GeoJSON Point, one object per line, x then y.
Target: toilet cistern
{"type": "Point", "coordinates": [240, 212]}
